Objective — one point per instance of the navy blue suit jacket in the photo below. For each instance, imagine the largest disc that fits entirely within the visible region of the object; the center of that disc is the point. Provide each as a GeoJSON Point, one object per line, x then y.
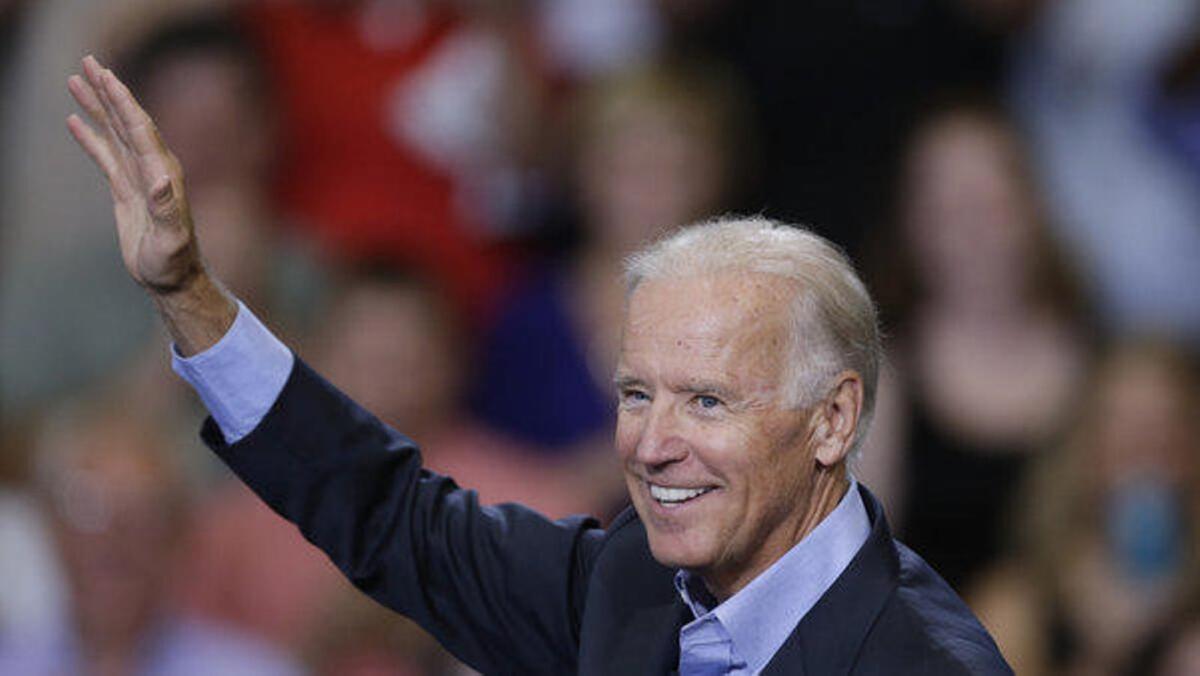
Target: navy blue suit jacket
{"type": "Point", "coordinates": [511, 592]}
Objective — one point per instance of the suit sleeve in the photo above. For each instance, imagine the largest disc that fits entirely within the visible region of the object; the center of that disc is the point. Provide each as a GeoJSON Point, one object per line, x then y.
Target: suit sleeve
{"type": "Point", "coordinates": [500, 587]}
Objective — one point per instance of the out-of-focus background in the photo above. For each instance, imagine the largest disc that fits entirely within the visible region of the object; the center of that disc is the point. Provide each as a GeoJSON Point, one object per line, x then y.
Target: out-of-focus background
{"type": "Point", "coordinates": [430, 201]}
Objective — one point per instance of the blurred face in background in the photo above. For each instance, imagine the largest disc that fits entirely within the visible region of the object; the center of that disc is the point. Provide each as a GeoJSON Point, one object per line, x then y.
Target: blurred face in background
{"type": "Point", "coordinates": [390, 346]}
{"type": "Point", "coordinates": [1140, 439]}
{"type": "Point", "coordinates": [118, 515]}
{"type": "Point", "coordinates": [207, 109]}
{"type": "Point", "coordinates": [968, 217]}
{"type": "Point", "coordinates": [1144, 424]}
{"type": "Point", "coordinates": [648, 164]}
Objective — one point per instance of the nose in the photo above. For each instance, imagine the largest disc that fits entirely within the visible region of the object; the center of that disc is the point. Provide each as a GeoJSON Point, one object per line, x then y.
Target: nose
{"type": "Point", "coordinates": [661, 442]}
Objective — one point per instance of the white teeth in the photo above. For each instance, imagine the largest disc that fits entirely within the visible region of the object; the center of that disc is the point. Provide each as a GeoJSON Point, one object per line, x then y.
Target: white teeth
{"type": "Point", "coordinates": [674, 495]}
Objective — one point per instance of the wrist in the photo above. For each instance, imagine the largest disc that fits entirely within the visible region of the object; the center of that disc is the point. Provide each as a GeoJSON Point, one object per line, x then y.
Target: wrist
{"type": "Point", "coordinates": [187, 273]}
{"type": "Point", "coordinates": [197, 314]}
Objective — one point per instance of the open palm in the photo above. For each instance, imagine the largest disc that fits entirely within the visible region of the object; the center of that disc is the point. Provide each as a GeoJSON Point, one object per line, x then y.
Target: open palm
{"type": "Point", "coordinates": [154, 225]}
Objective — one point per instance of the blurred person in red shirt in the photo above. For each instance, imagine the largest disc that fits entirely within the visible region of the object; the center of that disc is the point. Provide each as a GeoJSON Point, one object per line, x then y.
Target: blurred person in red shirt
{"type": "Point", "coordinates": [399, 127]}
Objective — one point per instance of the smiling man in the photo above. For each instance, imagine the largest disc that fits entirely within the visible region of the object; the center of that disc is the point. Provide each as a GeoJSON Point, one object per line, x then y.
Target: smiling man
{"type": "Point", "coordinates": [747, 376]}
{"type": "Point", "coordinates": [736, 406]}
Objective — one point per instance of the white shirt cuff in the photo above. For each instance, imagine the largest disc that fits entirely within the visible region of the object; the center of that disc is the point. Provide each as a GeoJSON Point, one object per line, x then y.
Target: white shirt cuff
{"type": "Point", "coordinates": [240, 377]}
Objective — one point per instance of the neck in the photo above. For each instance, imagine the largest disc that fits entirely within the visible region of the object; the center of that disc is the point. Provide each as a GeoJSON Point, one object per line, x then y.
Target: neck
{"type": "Point", "coordinates": [828, 488]}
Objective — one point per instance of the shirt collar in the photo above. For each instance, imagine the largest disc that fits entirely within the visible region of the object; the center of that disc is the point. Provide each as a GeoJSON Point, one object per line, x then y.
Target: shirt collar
{"type": "Point", "coordinates": [761, 616]}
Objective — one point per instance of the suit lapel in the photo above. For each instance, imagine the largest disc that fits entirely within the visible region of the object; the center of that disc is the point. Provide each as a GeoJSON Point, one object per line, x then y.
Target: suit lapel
{"type": "Point", "coordinates": [633, 613]}
{"type": "Point", "coordinates": [828, 639]}
{"type": "Point", "coordinates": [649, 641]}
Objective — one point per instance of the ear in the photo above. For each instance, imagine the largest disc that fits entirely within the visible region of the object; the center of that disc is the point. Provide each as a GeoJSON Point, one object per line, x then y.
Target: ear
{"type": "Point", "coordinates": [835, 419]}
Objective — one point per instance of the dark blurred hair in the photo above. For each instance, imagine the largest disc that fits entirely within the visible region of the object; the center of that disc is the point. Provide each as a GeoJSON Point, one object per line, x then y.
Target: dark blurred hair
{"type": "Point", "coordinates": [377, 272]}
{"type": "Point", "coordinates": [208, 33]}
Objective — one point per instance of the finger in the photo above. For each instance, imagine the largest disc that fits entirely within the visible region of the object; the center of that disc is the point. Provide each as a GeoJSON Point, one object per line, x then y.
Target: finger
{"type": "Point", "coordinates": [92, 70]}
{"type": "Point", "coordinates": [88, 100]}
{"type": "Point", "coordinates": [136, 173]}
{"type": "Point", "coordinates": [153, 159]}
{"type": "Point", "coordinates": [93, 145]}
{"type": "Point", "coordinates": [138, 125]}
{"type": "Point", "coordinates": [91, 98]}
{"type": "Point", "coordinates": [114, 116]}
{"type": "Point", "coordinates": [100, 152]}
{"type": "Point", "coordinates": [95, 75]}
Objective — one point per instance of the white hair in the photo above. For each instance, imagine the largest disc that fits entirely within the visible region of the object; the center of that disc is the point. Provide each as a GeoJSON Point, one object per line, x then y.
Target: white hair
{"type": "Point", "coordinates": [834, 321]}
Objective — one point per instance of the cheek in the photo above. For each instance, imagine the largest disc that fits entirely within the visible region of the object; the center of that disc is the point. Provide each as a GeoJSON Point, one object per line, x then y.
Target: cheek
{"type": "Point", "coordinates": [775, 472]}
{"type": "Point", "coordinates": [627, 435]}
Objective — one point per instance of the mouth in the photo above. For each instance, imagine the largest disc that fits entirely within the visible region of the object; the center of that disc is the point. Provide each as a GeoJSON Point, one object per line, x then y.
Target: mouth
{"type": "Point", "coordinates": [674, 496]}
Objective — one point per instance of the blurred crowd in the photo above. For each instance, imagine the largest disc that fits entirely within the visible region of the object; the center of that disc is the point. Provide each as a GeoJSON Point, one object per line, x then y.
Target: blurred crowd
{"type": "Point", "coordinates": [430, 201]}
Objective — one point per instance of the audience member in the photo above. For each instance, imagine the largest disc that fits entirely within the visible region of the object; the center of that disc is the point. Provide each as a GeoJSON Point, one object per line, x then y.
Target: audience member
{"type": "Point", "coordinates": [986, 289]}
{"type": "Point", "coordinates": [118, 509]}
{"type": "Point", "coordinates": [1108, 528]}
{"type": "Point", "coordinates": [654, 146]}
{"type": "Point", "coordinates": [392, 341]}
{"type": "Point", "coordinates": [396, 120]}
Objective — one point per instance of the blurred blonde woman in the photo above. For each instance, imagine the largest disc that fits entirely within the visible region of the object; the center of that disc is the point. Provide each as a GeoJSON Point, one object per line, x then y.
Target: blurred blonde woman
{"type": "Point", "coordinates": [989, 337]}
{"type": "Point", "coordinates": [1107, 530]}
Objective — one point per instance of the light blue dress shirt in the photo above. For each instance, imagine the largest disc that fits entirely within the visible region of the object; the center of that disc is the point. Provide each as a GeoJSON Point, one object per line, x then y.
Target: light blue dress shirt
{"type": "Point", "coordinates": [741, 635]}
{"type": "Point", "coordinates": [240, 377]}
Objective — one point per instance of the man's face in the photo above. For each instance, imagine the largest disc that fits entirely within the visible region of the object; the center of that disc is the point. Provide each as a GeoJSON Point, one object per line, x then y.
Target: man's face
{"type": "Point", "coordinates": [718, 462]}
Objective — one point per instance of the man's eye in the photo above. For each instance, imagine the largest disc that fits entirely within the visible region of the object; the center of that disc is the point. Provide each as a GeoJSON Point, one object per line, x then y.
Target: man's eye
{"type": "Point", "coordinates": [707, 401]}
{"type": "Point", "coordinates": [634, 396]}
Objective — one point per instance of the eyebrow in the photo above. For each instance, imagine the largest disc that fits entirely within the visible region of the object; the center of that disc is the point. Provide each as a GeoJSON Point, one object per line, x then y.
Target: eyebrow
{"type": "Point", "coordinates": [695, 386]}
{"type": "Point", "coordinates": [698, 386]}
{"type": "Point", "coordinates": [624, 380]}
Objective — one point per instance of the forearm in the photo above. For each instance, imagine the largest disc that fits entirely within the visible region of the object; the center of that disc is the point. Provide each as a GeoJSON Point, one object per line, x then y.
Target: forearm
{"type": "Point", "coordinates": [501, 587]}
{"type": "Point", "coordinates": [196, 315]}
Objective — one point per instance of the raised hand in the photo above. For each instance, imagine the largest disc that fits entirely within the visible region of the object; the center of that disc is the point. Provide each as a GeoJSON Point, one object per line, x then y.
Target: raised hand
{"type": "Point", "coordinates": [154, 224]}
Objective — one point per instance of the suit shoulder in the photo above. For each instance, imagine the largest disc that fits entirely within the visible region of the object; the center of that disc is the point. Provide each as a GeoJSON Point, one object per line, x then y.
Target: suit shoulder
{"type": "Point", "coordinates": [927, 627]}
{"type": "Point", "coordinates": [624, 556]}
{"type": "Point", "coordinates": [628, 518]}
{"type": "Point", "coordinates": [623, 534]}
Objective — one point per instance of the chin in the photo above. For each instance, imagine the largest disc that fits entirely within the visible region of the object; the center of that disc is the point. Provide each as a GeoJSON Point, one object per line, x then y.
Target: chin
{"type": "Point", "coordinates": [678, 550]}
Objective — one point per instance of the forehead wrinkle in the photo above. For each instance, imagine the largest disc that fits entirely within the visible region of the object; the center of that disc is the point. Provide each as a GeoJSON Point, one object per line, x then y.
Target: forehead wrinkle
{"type": "Point", "coordinates": [727, 325]}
